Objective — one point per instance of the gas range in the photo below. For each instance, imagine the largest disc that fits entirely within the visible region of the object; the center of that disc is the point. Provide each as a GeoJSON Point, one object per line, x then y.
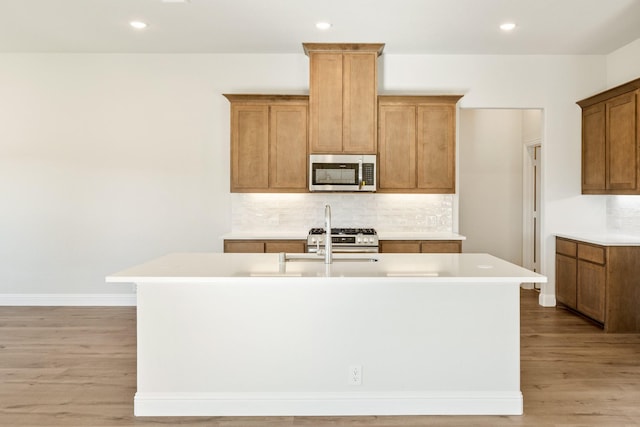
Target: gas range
{"type": "Point", "coordinates": [344, 240]}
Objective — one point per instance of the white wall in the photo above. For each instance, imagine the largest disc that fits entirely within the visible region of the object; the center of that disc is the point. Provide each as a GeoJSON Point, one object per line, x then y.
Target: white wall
{"type": "Point", "coordinates": [109, 160]}
{"type": "Point", "coordinates": [490, 158]}
{"type": "Point", "coordinates": [623, 65]}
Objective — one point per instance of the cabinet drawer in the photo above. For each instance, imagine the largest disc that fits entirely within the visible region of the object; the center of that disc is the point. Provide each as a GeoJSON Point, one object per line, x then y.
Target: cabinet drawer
{"type": "Point", "coordinates": [440, 247]}
{"type": "Point", "coordinates": [290, 246]}
{"type": "Point", "coordinates": [566, 247]}
{"type": "Point", "coordinates": [400, 246]}
{"type": "Point", "coordinates": [591, 253]}
{"type": "Point", "coordinates": [243, 246]}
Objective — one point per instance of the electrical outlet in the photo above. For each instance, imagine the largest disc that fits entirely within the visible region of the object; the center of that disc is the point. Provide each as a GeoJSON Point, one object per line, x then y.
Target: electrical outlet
{"type": "Point", "coordinates": [355, 375]}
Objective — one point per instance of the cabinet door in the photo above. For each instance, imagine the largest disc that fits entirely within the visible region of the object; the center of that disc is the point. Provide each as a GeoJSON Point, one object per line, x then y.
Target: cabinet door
{"type": "Point", "coordinates": [400, 246]}
{"type": "Point", "coordinates": [244, 246]}
{"type": "Point", "coordinates": [441, 247]}
{"type": "Point", "coordinates": [436, 148]}
{"type": "Point", "coordinates": [566, 280]}
{"type": "Point", "coordinates": [621, 142]}
{"type": "Point", "coordinates": [593, 149]}
{"type": "Point", "coordinates": [325, 103]}
{"type": "Point", "coordinates": [249, 147]}
{"type": "Point", "coordinates": [288, 146]}
{"type": "Point", "coordinates": [359, 103]}
{"type": "Point", "coordinates": [397, 147]}
{"type": "Point", "coordinates": [591, 290]}
{"type": "Point", "coordinates": [289, 246]}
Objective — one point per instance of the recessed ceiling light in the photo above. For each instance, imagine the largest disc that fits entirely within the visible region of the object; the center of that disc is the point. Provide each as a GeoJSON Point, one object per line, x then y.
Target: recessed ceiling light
{"type": "Point", "coordinates": [323, 25]}
{"type": "Point", "coordinates": [507, 26]}
{"type": "Point", "coordinates": [139, 25]}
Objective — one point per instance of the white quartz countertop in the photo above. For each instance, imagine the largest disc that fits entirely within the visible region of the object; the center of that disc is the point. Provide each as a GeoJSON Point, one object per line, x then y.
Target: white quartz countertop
{"type": "Point", "coordinates": [409, 235]}
{"type": "Point", "coordinates": [604, 238]}
{"type": "Point", "coordinates": [266, 235]}
{"type": "Point", "coordinates": [302, 235]}
{"type": "Point", "coordinates": [267, 268]}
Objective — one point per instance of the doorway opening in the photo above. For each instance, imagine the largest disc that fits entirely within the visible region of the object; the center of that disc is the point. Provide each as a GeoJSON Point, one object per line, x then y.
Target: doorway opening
{"type": "Point", "coordinates": [500, 165]}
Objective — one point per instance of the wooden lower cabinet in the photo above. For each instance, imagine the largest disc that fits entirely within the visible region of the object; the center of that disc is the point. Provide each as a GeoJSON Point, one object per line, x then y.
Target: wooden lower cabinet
{"type": "Point", "coordinates": [600, 282]}
{"type": "Point", "coordinates": [291, 246]}
{"type": "Point", "coordinates": [265, 246]}
{"type": "Point", "coordinates": [566, 280]}
{"type": "Point", "coordinates": [420, 246]}
{"type": "Point", "coordinates": [590, 290]}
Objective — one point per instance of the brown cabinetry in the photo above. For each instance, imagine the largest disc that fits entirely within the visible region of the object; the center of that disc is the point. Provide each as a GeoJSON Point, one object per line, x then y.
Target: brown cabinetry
{"type": "Point", "coordinates": [600, 282]}
{"type": "Point", "coordinates": [611, 140]}
{"type": "Point", "coordinates": [268, 143]}
{"type": "Point", "coordinates": [416, 144]}
{"type": "Point", "coordinates": [343, 90]}
{"type": "Point", "coordinates": [262, 246]}
{"type": "Point", "coordinates": [420, 246]}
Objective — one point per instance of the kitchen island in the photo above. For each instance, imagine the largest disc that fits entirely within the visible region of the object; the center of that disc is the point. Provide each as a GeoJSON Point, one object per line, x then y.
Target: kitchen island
{"type": "Point", "coordinates": [381, 334]}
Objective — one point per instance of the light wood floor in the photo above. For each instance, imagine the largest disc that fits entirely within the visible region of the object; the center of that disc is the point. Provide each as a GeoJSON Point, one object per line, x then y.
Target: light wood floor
{"type": "Point", "coordinates": [69, 366]}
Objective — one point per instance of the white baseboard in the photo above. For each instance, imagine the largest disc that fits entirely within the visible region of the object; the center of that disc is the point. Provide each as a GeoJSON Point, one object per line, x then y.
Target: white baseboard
{"type": "Point", "coordinates": [328, 404]}
{"type": "Point", "coordinates": [68, 299]}
{"type": "Point", "coordinates": [546, 300]}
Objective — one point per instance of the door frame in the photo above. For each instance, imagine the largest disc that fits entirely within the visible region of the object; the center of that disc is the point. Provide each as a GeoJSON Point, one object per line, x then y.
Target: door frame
{"type": "Point", "coordinates": [529, 243]}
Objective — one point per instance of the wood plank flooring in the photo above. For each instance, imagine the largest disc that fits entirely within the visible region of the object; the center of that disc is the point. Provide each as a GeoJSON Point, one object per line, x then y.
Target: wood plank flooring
{"type": "Point", "coordinates": [76, 366]}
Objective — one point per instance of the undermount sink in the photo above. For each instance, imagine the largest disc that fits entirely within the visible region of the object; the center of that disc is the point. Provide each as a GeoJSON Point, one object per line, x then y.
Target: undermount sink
{"type": "Point", "coordinates": [286, 257]}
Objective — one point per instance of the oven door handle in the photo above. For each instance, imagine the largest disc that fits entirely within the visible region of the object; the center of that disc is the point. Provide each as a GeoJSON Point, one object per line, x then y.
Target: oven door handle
{"type": "Point", "coordinates": [348, 249]}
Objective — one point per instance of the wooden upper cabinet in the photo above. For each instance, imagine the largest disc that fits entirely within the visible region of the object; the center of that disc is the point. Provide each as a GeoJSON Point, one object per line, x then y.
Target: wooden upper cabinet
{"type": "Point", "coordinates": [325, 103]}
{"type": "Point", "coordinates": [249, 147]}
{"type": "Point", "coordinates": [622, 142]}
{"type": "Point", "coordinates": [360, 91]}
{"type": "Point", "coordinates": [611, 140]}
{"type": "Point", "coordinates": [288, 143]}
{"type": "Point", "coordinates": [397, 147]}
{"type": "Point", "coordinates": [343, 87]}
{"type": "Point", "coordinates": [268, 143]}
{"type": "Point", "coordinates": [436, 145]}
{"type": "Point", "coordinates": [417, 144]}
{"type": "Point", "coordinates": [593, 148]}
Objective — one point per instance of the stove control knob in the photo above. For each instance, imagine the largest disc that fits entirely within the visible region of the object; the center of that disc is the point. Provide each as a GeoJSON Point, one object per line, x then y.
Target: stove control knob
{"type": "Point", "coordinates": [313, 240]}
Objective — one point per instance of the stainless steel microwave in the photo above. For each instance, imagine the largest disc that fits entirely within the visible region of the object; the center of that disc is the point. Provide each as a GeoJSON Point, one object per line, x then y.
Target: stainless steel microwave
{"type": "Point", "coordinates": [342, 172]}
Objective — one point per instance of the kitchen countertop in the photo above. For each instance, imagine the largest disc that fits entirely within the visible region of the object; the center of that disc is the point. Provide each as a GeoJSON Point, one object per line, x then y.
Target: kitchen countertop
{"type": "Point", "coordinates": [267, 268]}
{"type": "Point", "coordinates": [604, 238]}
{"type": "Point", "coordinates": [266, 235]}
{"type": "Point", "coordinates": [410, 235]}
{"type": "Point", "coordinates": [302, 235]}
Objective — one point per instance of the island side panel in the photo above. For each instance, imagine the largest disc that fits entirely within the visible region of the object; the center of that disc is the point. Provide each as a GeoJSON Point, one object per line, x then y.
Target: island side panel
{"type": "Point", "coordinates": [284, 347]}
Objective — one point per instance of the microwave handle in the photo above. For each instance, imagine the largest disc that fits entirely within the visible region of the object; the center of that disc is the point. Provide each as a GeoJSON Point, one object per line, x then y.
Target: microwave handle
{"type": "Point", "coordinates": [360, 183]}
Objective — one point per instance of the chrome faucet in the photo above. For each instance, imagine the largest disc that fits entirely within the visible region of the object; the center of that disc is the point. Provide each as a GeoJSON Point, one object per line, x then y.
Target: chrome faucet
{"type": "Point", "coordinates": [328, 242]}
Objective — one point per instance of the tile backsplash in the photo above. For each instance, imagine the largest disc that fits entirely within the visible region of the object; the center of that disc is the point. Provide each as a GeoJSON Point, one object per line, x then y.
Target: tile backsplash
{"type": "Point", "coordinates": [623, 214]}
{"type": "Point", "coordinates": [397, 212]}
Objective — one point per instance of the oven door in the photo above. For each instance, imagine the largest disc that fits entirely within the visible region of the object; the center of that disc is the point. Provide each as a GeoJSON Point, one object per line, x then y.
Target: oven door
{"type": "Point", "coordinates": [344, 249]}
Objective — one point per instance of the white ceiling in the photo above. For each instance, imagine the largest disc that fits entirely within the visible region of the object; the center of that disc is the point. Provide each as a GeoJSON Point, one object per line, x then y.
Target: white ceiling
{"type": "Point", "coordinates": [281, 26]}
